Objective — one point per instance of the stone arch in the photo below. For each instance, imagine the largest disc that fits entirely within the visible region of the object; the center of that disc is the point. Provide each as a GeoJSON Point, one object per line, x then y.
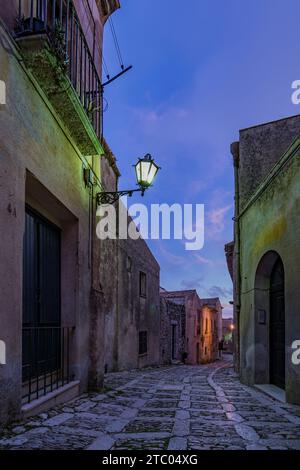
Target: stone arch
{"type": "Point", "coordinates": [262, 307]}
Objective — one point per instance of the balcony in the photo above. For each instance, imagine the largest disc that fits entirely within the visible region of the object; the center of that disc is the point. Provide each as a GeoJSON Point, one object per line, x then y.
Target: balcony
{"type": "Point", "coordinates": [56, 51]}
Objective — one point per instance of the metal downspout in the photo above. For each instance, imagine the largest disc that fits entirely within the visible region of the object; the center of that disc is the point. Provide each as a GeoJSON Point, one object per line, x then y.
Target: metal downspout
{"type": "Point", "coordinates": [235, 151]}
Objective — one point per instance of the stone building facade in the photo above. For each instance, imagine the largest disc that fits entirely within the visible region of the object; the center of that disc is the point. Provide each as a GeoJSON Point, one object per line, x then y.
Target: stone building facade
{"type": "Point", "coordinates": [130, 303]}
{"type": "Point", "coordinates": [60, 287]}
{"type": "Point", "coordinates": [172, 331]}
{"type": "Point", "coordinates": [49, 295]}
{"type": "Point", "coordinates": [264, 260]}
{"type": "Point", "coordinates": [138, 301]}
{"type": "Point", "coordinates": [211, 328]}
{"type": "Point", "coordinates": [203, 325]}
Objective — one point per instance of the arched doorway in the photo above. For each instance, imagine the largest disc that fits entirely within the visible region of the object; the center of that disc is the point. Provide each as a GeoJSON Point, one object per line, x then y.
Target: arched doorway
{"type": "Point", "coordinates": [269, 321]}
{"type": "Point", "coordinates": [277, 326]}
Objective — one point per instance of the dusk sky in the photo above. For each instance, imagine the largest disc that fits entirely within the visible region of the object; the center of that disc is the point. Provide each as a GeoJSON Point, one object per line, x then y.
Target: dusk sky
{"type": "Point", "coordinates": [203, 70]}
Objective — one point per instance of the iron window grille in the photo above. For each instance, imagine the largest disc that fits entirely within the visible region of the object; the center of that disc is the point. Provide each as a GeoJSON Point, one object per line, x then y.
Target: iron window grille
{"type": "Point", "coordinates": [143, 284]}
{"type": "Point", "coordinates": [46, 360]}
{"type": "Point", "coordinates": [143, 342]}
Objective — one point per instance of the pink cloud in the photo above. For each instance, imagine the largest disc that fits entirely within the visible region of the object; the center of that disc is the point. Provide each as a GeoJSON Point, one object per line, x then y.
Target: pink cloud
{"type": "Point", "coordinates": [170, 257]}
{"type": "Point", "coordinates": [203, 260]}
{"type": "Point", "coordinates": [216, 218]}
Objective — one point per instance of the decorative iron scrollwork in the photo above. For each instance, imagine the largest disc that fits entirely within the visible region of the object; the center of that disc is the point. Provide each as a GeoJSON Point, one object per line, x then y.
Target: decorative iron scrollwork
{"type": "Point", "coordinates": [113, 197]}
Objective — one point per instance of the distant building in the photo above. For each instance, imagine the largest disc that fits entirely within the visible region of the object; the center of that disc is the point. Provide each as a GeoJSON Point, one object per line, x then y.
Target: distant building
{"type": "Point", "coordinates": [264, 259]}
{"type": "Point", "coordinates": [172, 331]}
{"type": "Point", "coordinates": [202, 331]}
{"type": "Point", "coordinates": [212, 328]}
{"type": "Point", "coordinates": [227, 334]}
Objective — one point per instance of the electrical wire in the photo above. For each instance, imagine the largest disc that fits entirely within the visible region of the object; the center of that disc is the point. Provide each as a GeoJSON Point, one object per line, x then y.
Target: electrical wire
{"type": "Point", "coordinates": [105, 68]}
{"type": "Point", "coordinates": [117, 46]}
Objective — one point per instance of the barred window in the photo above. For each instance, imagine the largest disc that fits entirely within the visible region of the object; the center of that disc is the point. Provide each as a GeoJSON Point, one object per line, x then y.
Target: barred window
{"type": "Point", "coordinates": [143, 284]}
{"type": "Point", "coordinates": [143, 342]}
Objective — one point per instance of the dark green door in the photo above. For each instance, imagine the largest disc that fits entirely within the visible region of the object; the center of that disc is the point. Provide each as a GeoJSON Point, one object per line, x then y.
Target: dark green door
{"type": "Point", "coordinates": [277, 326]}
{"type": "Point", "coordinates": [41, 296]}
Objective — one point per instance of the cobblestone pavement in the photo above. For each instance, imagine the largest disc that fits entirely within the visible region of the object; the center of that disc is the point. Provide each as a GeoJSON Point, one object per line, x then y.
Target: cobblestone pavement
{"type": "Point", "coordinates": [176, 408]}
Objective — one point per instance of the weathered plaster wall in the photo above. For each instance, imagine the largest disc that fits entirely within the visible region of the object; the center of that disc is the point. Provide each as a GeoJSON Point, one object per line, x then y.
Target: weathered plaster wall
{"type": "Point", "coordinates": [9, 12]}
{"type": "Point", "coordinates": [126, 313]}
{"type": "Point", "coordinates": [33, 141]}
{"type": "Point", "coordinates": [271, 223]}
{"type": "Point", "coordinates": [209, 335]}
{"type": "Point", "coordinates": [193, 309]}
{"type": "Point", "coordinates": [136, 313]}
{"type": "Point", "coordinates": [92, 23]}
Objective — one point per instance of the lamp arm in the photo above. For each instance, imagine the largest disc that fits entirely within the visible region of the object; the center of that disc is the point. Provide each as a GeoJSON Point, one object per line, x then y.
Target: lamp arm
{"type": "Point", "coordinates": [111, 197]}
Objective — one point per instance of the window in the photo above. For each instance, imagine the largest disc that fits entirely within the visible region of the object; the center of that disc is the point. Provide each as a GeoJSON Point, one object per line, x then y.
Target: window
{"type": "Point", "coordinates": [143, 342]}
{"type": "Point", "coordinates": [129, 264]}
{"type": "Point", "coordinates": [199, 323]}
{"type": "Point", "coordinates": [206, 325]}
{"type": "Point", "coordinates": [143, 284]}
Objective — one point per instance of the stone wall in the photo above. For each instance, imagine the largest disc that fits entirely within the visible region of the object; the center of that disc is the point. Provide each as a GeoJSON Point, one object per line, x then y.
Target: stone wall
{"type": "Point", "coordinates": [209, 335]}
{"type": "Point", "coordinates": [127, 313]}
{"type": "Point", "coordinates": [260, 149]}
{"type": "Point", "coordinates": [137, 313]}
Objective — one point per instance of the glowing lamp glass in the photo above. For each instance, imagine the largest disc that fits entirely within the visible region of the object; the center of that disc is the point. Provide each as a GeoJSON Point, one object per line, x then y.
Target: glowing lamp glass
{"type": "Point", "coordinates": [146, 170]}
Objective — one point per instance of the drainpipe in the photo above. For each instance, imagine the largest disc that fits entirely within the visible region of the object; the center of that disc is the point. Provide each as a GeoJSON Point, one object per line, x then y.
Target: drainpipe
{"type": "Point", "coordinates": [118, 274]}
{"type": "Point", "coordinates": [235, 151]}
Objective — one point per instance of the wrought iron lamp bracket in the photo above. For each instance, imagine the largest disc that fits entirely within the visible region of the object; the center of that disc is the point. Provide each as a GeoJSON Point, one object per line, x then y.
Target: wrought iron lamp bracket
{"type": "Point", "coordinates": [112, 197]}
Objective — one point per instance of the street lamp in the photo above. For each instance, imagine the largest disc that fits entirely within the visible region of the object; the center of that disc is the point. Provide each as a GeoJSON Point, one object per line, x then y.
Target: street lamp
{"type": "Point", "coordinates": [146, 170]}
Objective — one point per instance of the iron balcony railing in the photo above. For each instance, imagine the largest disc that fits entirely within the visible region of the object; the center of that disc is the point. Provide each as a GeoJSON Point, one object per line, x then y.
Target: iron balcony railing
{"type": "Point", "coordinates": [46, 360]}
{"type": "Point", "coordinates": [59, 20]}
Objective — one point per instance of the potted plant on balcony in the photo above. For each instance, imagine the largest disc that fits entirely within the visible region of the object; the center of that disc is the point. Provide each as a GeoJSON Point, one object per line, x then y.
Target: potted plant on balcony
{"type": "Point", "coordinates": [58, 45]}
{"type": "Point", "coordinates": [29, 26]}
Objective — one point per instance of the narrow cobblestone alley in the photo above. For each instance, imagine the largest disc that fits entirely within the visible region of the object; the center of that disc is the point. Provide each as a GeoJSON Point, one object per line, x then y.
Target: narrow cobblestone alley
{"type": "Point", "coordinates": [175, 408]}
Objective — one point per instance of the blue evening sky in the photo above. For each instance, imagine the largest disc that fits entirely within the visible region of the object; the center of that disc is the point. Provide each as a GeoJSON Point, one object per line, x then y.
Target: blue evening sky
{"type": "Point", "coordinates": [203, 69]}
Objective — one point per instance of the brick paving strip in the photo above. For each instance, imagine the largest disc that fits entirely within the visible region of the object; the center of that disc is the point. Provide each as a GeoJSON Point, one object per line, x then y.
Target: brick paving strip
{"type": "Point", "coordinates": [175, 408]}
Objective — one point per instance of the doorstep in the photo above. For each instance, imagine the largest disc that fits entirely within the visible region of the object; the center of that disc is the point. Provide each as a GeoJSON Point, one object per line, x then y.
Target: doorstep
{"type": "Point", "coordinates": [57, 397]}
{"type": "Point", "coordinates": [272, 391]}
